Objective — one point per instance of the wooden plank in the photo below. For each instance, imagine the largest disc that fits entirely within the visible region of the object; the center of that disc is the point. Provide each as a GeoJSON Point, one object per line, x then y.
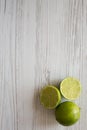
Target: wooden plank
{"type": "Point", "coordinates": [41, 42]}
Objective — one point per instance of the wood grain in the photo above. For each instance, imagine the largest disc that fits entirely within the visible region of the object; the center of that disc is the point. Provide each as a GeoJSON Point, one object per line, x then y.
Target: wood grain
{"type": "Point", "coordinates": [41, 42]}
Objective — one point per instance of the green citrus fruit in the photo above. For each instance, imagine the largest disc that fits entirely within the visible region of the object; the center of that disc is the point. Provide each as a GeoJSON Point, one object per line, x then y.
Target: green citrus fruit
{"type": "Point", "coordinates": [50, 97]}
{"type": "Point", "coordinates": [67, 113]}
{"type": "Point", "coordinates": [70, 88]}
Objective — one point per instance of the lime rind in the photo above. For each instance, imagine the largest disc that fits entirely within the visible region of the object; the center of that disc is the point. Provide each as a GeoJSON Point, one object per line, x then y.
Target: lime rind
{"type": "Point", "coordinates": [50, 97]}
{"type": "Point", "coordinates": [73, 89]}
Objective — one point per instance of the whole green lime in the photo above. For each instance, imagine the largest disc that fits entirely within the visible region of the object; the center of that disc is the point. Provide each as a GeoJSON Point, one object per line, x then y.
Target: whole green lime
{"type": "Point", "coordinates": [67, 113]}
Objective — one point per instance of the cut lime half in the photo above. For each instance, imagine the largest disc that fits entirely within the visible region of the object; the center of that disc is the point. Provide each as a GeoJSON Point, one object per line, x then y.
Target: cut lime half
{"type": "Point", "coordinates": [50, 97]}
{"type": "Point", "coordinates": [70, 88]}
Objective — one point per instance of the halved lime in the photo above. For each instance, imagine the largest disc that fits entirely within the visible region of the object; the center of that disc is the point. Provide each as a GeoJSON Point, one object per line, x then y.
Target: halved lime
{"type": "Point", "coordinates": [67, 113]}
{"type": "Point", "coordinates": [70, 88]}
{"type": "Point", "coordinates": [50, 97]}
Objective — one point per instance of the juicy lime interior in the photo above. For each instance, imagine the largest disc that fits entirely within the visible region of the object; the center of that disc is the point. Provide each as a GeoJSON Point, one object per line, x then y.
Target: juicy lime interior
{"type": "Point", "coordinates": [70, 88]}
{"type": "Point", "coordinates": [50, 97]}
{"type": "Point", "coordinates": [67, 113]}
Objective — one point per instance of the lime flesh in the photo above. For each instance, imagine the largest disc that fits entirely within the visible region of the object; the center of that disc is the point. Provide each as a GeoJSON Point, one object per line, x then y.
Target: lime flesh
{"type": "Point", "coordinates": [50, 97]}
{"type": "Point", "coordinates": [70, 88]}
{"type": "Point", "coordinates": [67, 113]}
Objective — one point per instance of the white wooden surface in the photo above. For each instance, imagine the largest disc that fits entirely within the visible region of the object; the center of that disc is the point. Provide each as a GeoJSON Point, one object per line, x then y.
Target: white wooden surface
{"type": "Point", "coordinates": [41, 42]}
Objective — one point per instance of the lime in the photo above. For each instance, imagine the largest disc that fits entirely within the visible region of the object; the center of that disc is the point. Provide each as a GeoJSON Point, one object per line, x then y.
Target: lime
{"type": "Point", "coordinates": [67, 113]}
{"type": "Point", "coordinates": [50, 97]}
{"type": "Point", "coordinates": [70, 88]}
